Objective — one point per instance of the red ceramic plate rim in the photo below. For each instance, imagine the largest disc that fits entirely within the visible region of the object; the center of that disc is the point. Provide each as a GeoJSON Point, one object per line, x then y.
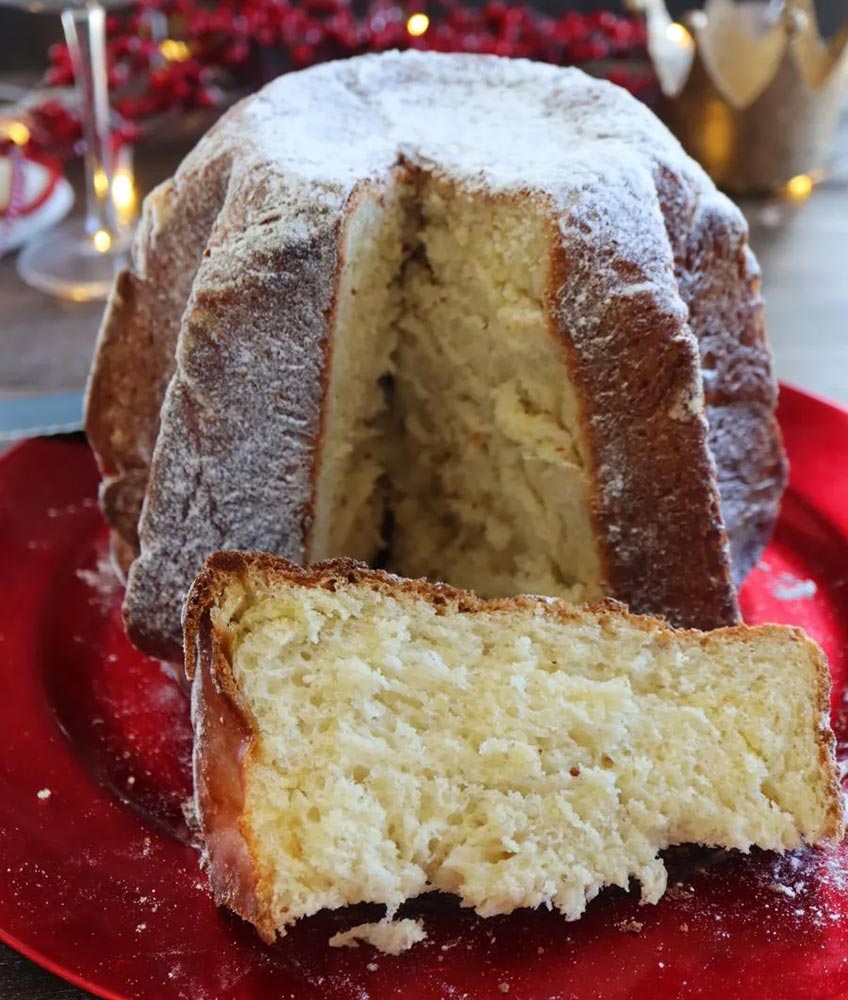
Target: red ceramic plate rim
{"type": "Point", "coordinates": [791, 396]}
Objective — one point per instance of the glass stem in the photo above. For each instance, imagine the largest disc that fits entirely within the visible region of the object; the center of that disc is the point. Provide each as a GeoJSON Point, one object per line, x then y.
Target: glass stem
{"type": "Point", "coordinates": [85, 33]}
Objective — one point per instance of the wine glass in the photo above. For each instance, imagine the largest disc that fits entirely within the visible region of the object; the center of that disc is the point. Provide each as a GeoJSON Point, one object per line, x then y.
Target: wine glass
{"type": "Point", "coordinates": [78, 259]}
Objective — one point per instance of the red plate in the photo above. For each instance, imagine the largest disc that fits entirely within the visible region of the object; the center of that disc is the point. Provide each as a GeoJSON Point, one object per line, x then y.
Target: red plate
{"type": "Point", "coordinates": [98, 884]}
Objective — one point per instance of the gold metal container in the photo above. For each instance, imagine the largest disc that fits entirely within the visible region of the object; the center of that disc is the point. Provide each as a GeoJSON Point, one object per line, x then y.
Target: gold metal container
{"type": "Point", "coordinates": [751, 89]}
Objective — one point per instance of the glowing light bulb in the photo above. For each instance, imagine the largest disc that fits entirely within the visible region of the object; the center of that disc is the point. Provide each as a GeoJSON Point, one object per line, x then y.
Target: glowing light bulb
{"type": "Point", "coordinates": [123, 194]}
{"type": "Point", "coordinates": [102, 241]}
{"type": "Point", "coordinates": [679, 35]}
{"type": "Point", "coordinates": [417, 24]}
{"type": "Point", "coordinates": [174, 50]}
{"type": "Point", "coordinates": [799, 187]}
{"type": "Point", "coordinates": [17, 132]}
{"type": "Point", "coordinates": [101, 182]}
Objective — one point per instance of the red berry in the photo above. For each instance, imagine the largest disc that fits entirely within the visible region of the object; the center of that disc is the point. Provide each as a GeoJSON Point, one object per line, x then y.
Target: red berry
{"type": "Point", "coordinates": [586, 51]}
{"type": "Point", "coordinates": [205, 98]}
{"type": "Point", "coordinates": [503, 48]}
{"type": "Point", "coordinates": [602, 19]}
{"type": "Point", "coordinates": [302, 55]}
{"type": "Point", "coordinates": [58, 77]}
{"type": "Point", "coordinates": [569, 28]}
{"type": "Point", "coordinates": [459, 18]}
{"type": "Point", "coordinates": [117, 75]}
{"type": "Point", "coordinates": [236, 54]}
{"type": "Point", "coordinates": [181, 91]}
{"type": "Point", "coordinates": [127, 107]}
{"type": "Point", "coordinates": [58, 53]}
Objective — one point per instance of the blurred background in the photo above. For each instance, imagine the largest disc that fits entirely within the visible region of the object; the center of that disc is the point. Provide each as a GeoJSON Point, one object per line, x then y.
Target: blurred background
{"type": "Point", "coordinates": [24, 39]}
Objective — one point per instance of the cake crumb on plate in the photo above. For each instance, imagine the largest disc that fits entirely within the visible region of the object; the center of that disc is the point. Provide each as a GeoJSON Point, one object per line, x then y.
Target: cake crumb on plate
{"type": "Point", "coordinates": [389, 936]}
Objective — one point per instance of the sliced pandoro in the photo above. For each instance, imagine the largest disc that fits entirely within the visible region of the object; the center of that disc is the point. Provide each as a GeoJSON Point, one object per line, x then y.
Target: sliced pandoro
{"type": "Point", "coordinates": [361, 737]}
{"type": "Point", "coordinates": [355, 328]}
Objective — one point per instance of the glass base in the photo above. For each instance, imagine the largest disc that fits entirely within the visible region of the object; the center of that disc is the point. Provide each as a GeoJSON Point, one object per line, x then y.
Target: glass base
{"type": "Point", "coordinates": [65, 262]}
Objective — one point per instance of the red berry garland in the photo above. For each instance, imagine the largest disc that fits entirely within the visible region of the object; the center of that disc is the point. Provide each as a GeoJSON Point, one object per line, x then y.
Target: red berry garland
{"type": "Point", "coordinates": [237, 45]}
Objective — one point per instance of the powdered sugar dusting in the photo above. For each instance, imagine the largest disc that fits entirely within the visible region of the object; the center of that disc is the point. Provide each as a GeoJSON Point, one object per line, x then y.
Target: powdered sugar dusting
{"type": "Point", "coordinates": [791, 588]}
{"type": "Point", "coordinates": [102, 581]}
{"type": "Point", "coordinates": [235, 454]}
{"type": "Point", "coordinates": [338, 123]}
{"type": "Point", "coordinates": [810, 880]}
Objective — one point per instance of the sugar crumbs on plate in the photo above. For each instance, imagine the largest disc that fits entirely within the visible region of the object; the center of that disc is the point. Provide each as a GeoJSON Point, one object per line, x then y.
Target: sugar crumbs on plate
{"type": "Point", "coordinates": [679, 891]}
{"type": "Point", "coordinates": [630, 926]}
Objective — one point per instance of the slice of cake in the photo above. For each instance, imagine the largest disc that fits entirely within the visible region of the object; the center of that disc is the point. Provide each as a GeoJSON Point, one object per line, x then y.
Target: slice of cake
{"type": "Point", "coordinates": [360, 737]}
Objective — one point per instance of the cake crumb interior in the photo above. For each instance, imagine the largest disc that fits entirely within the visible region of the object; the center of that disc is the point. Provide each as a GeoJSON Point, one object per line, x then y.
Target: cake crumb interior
{"type": "Point", "coordinates": [449, 451]}
{"type": "Point", "coordinates": [506, 756]}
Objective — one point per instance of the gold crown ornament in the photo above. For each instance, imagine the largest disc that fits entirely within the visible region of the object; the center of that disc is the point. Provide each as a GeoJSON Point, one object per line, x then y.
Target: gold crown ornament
{"type": "Point", "coordinates": [751, 89]}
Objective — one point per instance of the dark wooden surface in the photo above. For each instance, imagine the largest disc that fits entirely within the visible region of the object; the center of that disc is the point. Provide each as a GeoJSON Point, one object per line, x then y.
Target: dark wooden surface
{"type": "Point", "coordinates": [803, 250]}
{"type": "Point", "coordinates": [20, 979]}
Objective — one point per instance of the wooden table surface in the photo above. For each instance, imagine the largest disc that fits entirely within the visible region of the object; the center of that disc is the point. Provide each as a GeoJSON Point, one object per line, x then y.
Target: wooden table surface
{"type": "Point", "coordinates": [46, 345]}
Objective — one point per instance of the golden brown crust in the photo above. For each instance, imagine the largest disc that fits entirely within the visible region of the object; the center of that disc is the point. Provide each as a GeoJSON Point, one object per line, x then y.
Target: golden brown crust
{"type": "Point", "coordinates": [834, 826]}
{"type": "Point", "coordinates": [224, 732]}
{"type": "Point", "coordinates": [134, 357]}
{"type": "Point", "coordinates": [224, 568]}
{"type": "Point", "coordinates": [116, 412]}
{"type": "Point", "coordinates": [121, 497]}
{"type": "Point", "coordinates": [719, 281]}
{"type": "Point", "coordinates": [239, 421]}
{"type": "Point", "coordinates": [633, 240]}
{"type": "Point", "coordinates": [628, 383]}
